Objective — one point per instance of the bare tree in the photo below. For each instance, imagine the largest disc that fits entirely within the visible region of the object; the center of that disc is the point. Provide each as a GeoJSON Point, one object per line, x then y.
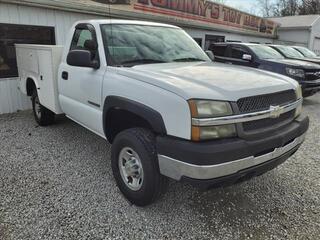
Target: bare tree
{"type": "Point", "coordinates": [270, 8]}
{"type": "Point", "coordinates": [309, 7]}
{"type": "Point", "coordinates": [291, 8]}
{"type": "Point", "coordinates": [266, 7]}
{"type": "Point", "coordinates": [285, 7]}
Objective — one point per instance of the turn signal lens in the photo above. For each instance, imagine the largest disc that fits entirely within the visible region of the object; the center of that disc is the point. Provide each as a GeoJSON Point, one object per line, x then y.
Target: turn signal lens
{"type": "Point", "coordinates": [298, 111]}
{"type": "Point", "coordinates": [299, 92]}
{"type": "Point", "coordinates": [195, 134]}
{"type": "Point", "coordinates": [299, 96]}
{"type": "Point", "coordinates": [193, 108]}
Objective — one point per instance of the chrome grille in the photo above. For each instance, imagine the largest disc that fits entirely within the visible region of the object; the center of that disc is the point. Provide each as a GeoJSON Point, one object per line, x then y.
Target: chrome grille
{"type": "Point", "coordinates": [269, 122]}
{"type": "Point", "coordinates": [312, 75]}
{"type": "Point", "coordinates": [263, 102]}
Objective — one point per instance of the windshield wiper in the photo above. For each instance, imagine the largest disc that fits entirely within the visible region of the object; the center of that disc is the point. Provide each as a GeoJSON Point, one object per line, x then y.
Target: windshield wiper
{"type": "Point", "coordinates": [142, 61]}
{"type": "Point", "coordinates": [190, 59]}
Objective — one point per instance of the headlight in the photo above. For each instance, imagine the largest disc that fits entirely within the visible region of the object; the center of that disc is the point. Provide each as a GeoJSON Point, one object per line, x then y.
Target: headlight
{"type": "Point", "coordinates": [211, 109]}
{"type": "Point", "coordinates": [296, 72]}
{"type": "Point", "coordinates": [298, 110]}
{"type": "Point", "coordinates": [213, 132]}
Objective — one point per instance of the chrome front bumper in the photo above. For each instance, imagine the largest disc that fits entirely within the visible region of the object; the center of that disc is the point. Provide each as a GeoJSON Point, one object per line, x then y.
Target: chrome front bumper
{"type": "Point", "coordinates": [176, 169]}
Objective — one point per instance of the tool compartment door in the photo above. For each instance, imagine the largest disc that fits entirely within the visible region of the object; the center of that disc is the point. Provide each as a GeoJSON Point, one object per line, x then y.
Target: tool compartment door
{"type": "Point", "coordinates": [46, 91]}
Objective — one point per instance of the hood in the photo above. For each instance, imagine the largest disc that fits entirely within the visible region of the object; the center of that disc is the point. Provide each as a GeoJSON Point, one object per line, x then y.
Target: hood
{"type": "Point", "coordinates": [306, 59]}
{"type": "Point", "coordinates": [296, 63]}
{"type": "Point", "coordinates": [313, 60]}
{"type": "Point", "coordinates": [209, 80]}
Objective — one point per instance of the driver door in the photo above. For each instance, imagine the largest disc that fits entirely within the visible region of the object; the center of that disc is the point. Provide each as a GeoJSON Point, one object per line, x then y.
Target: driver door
{"type": "Point", "coordinates": [80, 87]}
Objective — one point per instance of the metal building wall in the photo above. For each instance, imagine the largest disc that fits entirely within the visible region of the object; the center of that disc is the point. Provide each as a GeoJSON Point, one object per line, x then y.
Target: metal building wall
{"type": "Point", "coordinates": [11, 99]}
{"type": "Point", "coordinates": [314, 42]}
{"type": "Point", "coordinates": [299, 37]}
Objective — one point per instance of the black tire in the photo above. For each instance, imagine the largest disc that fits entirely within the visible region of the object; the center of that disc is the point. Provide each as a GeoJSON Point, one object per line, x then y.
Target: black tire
{"type": "Point", "coordinates": [42, 115]}
{"type": "Point", "coordinates": [154, 184]}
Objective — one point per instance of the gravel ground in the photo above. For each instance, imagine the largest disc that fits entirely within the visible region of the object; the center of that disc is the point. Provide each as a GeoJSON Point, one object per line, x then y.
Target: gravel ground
{"type": "Point", "coordinates": [56, 183]}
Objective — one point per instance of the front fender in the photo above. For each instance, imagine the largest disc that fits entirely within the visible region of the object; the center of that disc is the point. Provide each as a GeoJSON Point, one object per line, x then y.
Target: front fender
{"type": "Point", "coordinates": [173, 109]}
{"type": "Point", "coordinates": [153, 117]}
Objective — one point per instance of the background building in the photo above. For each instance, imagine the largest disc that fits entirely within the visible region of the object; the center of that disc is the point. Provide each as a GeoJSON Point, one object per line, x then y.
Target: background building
{"type": "Point", "coordinates": [300, 30]}
{"type": "Point", "coordinates": [48, 22]}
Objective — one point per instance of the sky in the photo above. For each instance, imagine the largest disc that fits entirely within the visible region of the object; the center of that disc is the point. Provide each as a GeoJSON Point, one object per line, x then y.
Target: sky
{"type": "Point", "coordinates": [249, 6]}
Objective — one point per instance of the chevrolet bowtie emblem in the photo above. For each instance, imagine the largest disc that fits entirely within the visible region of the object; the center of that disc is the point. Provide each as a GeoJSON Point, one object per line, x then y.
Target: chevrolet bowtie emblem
{"type": "Point", "coordinates": [276, 111]}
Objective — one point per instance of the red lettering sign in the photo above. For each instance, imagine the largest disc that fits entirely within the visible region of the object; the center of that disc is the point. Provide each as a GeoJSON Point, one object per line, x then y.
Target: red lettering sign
{"type": "Point", "coordinates": [215, 11]}
{"type": "Point", "coordinates": [208, 12]}
{"type": "Point", "coordinates": [178, 5]}
{"type": "Point", "coordinates": [159, 3]}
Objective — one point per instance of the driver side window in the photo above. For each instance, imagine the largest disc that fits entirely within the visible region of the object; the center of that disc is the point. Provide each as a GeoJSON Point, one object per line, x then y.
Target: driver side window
{"type": "Point", "coordinates": [79, 39]}
{"type": "Point", "coordinates": [84, 39]}
{"type": "Point", "coordinates": [237, 52]}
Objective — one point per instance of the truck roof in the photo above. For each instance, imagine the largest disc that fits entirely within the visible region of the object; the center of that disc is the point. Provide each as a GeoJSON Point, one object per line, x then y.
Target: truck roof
{"type": "Point", "coordinates": [279, 45]}
{"type": "Point", "coordinates": [128, 22]}
{"type": "Point", "coordinates": [237, 43]}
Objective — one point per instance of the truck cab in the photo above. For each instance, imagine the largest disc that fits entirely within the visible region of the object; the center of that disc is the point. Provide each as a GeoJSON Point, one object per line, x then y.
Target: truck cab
{"type": "Point", "coordinates": [166, 108]}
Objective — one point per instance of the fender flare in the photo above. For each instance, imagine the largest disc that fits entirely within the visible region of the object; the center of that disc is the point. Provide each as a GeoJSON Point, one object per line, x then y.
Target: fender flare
{"type": "Point", "coordinates": [153, 117]}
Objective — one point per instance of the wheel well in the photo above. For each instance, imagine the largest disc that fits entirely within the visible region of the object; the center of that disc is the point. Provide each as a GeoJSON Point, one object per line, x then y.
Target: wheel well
{"type": "Point", "coordinates": [31, 86]}
{"type": "Point", "coordinates": [118, 120]}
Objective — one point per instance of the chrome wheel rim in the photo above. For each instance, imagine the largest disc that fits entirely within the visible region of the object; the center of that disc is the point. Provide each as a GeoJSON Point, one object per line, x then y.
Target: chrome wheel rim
{"type": "Point", "coordinates": [130, 168]}
{"type": "Point", "coordinates": [37, 107]}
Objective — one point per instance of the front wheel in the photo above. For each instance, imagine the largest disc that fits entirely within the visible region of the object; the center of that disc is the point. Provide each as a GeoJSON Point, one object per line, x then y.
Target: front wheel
{"type": "Point", "coordinates": [42, 115]}
{"type": "Point", "coordinates": [135, 166]}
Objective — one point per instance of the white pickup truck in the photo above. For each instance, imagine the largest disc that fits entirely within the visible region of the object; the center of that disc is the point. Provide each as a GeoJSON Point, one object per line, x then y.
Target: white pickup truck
{"type": "Point", "coordinates": [167, 109]}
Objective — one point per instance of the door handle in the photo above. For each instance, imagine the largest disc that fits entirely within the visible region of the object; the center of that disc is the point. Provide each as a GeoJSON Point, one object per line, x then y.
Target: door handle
{"type": "Point", "coordinates": [65, 75]}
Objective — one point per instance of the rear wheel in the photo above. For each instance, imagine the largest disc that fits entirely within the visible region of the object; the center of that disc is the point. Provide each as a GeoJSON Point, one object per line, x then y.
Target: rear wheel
{"type": "Point", "coordinates": [42, 115]}
{"type": "Point", "coordinates": [135, 166]}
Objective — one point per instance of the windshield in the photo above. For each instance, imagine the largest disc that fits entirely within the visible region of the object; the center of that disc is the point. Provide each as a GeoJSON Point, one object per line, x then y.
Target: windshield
{"type": "Point", "coordinates": [265, 52]}
{"type": "Point", "coordinates": [129, 45]}
{"type": "Point", "coordinates": [289, 52]}
{"type": "Point", "coordinates": [306, 52]}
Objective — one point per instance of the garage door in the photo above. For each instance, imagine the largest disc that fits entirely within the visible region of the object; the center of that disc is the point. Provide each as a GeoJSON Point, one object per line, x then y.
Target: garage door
{"type": "Point", "coordinates": [316, 46]}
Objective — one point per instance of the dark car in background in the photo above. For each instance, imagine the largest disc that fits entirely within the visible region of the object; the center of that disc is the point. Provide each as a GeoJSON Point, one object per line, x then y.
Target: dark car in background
{"type": "Point", "coordinates": [306, 52]}
{"type": "Point", "coordinates": [267, 58]}
{"type": "Point", "coordinates": [292, 53]}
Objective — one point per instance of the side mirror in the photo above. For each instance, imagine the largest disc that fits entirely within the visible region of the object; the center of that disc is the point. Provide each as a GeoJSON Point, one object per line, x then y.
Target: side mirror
{"type": "Point", "coordinates": [210, 55]}
{"type": "Point", "coordinates": [82, 58]}
{"type": "Point", "coordinates": [247, 57]}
